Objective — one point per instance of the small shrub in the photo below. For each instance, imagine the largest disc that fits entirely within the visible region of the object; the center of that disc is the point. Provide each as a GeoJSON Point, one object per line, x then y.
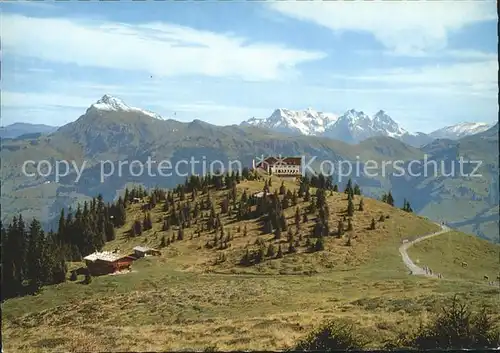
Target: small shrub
{"type": "Point", "coordinates": [212, 348]}
{"type": "Point", "coordinates": [331, 336]}
{"type": "Point", "coordinates": [260, 242]}
{"type": "Point", "coordinates": [455, 327]}
{"type": "Point", "coordinates": [88, 279]}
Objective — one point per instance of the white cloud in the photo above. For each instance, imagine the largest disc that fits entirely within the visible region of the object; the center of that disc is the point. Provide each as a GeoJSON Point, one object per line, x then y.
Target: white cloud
{"type": "Point", "coordinates": [405, 27]}
{"type": "Point", "coordinates": [36, 99]}
{"type": "Point", "coordinates": [59, 109]}
{"type": "Point", "coordinates": [158, 48]}
{"type": "Point", "coordinates": [481, 74]}
{"type": "Point", "coordinates": [462, 54]}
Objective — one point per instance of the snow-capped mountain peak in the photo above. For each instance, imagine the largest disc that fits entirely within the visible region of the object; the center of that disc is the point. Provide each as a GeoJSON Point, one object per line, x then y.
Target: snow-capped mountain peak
{"type": "Point", "coordinates": [460, 130]}
{"type": "Point", "coordinates": [304, 122]}
{"type": "Point", "coordinates": [110, 103]}
{"type": "Point", "coordinates": [354, 126]}
{"type": "Point", "coordinates": [354, 117]}
{"type": "Point", "coordinates": [384, 123]}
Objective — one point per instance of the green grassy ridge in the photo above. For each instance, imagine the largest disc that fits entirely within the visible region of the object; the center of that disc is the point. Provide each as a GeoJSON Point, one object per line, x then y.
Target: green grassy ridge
{"type": "Point", "coordinates": [446, 252]}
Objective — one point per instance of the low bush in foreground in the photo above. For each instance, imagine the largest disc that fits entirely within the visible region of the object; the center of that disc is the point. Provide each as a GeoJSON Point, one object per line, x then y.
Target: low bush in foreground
{"type": "Point", "coordinates": [332, 336]}
{"type": "Point", "coordinates": [454, 327]}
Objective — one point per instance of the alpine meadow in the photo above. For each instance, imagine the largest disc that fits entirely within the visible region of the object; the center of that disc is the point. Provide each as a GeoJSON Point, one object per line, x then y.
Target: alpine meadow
{"type": "Point", "coordinates": [249, 176]}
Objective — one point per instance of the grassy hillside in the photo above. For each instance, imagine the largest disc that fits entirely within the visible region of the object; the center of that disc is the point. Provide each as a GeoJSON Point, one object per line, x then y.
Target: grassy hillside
{"type": "Point", "coordinates": [185, 300]}
{"type": "Point", "coordinates": [445, 254]}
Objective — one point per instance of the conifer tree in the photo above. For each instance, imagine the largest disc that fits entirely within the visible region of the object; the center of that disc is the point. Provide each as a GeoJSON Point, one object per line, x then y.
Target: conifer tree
{"type": "Point", "coordinates": [270, 251]}
{"type": "Point", "coordinates": [294, 198]}
{"type": "Point", "coordinates": [283, 222]}
{"type": "Point", "coordinates": [307, 195]}
{"type": "Point", "coordinates": [121, 216]}
{"type": "Point", "coordinates": [61, 231]}
{"type": "Point", "coordinates": [152, 200]}
{"type": "Point", "coordinates": [180, 234]}
{"type": "Point", "coordinates": [110, 231]}
{"type": "Point", "coordinates": [277, 233]}
{"type": "Point", "coordinates": [373, 224]}
{"type": "Point", "coordinates": [282, 188]}
{"type": "Point", "coordinates": [350, 208]}
{"type": "Point", "coordinates": [406, 206]}
{"type": "Point", "coordinates": [348, 187]}
{"type": "Point", "coordinates": [166, 225]}
{"type": "Point", "coordinates": [35, 256]}
{"type": "Point", "coordinates": [245, 260]}
{"type": "Point", "coordinates": [349, 224]}
{"type": "Point", "coordinates": [137, 228]}
{"type": "Point", "coordinates": [259, 256]}
{"type": "Point", "coordinates": [340, 228]}
{"type": "Point", "coordinates": [279, 254]}
{"type": "Point", "coordinates": [285, 203]}
{"type": "Point", "coordinates": [320, 245]}
{"type": "Point", "coordinates": [390, 199]}
{"type": "Point", "coordinates": [361, 205]}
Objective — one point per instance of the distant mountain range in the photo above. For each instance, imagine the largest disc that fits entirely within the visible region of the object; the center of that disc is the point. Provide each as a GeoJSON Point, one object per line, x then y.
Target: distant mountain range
{"type": "Point", "coordinates": [110, 130]}
{"type": "Point", "coordinates": [351, 127]}
{"type": "Point", "coordinates": [355, 126]}
{"type": "Point", "coordinates": [18, 129]}
{"type": "Point", "coordinates": [460, 130]}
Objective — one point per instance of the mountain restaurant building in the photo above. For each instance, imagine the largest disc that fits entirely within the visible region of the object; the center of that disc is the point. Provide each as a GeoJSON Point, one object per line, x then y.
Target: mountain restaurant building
{"type": "Point", "coordinates": [280, 166]}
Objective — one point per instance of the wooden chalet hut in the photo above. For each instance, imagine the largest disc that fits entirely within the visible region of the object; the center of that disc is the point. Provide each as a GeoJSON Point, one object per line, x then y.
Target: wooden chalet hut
{"type": "Point", "coordinates": [102, 263]}
{"type": "Point", "coordinates": [142, 251]}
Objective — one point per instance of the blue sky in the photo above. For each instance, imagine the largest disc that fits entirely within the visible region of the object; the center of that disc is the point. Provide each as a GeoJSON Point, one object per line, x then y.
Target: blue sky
{"type": "Point", "coordinates": [427, 64]}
